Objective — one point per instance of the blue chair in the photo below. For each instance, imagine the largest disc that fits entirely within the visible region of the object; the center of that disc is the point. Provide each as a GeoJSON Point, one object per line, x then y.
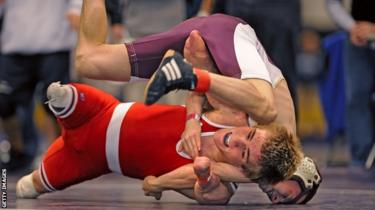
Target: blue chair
{"type": "Point", "coordinates": [332, 89]}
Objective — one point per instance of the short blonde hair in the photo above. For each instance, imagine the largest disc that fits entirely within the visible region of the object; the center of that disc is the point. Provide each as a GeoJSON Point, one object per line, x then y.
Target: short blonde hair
{"type": "Point", "coordinates": [280, 155]}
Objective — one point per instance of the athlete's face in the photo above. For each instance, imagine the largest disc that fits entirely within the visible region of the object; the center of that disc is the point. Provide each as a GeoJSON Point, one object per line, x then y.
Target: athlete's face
{"type": "Point", "coordinates": [240, 146]}
{"type": "Point", "coordinates": [283, 192]}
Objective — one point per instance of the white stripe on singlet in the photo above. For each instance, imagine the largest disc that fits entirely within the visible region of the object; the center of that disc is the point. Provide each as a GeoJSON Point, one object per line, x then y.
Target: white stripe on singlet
{"type": "Point", "coordinates": [113, 137]}
{"type": "Point", "coordinates": [44, 179]}
{"type": "Point", "coordinates": [208, 121]}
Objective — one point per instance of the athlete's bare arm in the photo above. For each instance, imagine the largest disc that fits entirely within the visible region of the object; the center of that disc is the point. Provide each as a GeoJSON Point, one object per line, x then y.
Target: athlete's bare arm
{"type": "Point", "coordinates": [192, 133]}
{"type": "Point", "coordinates": [187, 180]}
{"type": "Point", "coordinates": [253, 96]}
{"type": "Point", "coordinates": [94, 58]}
{"type": "Point", "coordinates": [183, 180]}
{"type": "Point", "coordinates": [231, 98]}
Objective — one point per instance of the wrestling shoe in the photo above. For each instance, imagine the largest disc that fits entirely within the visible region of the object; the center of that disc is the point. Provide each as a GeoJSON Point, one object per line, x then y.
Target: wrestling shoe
{"type": "Point", "coordinates": [173, 73]}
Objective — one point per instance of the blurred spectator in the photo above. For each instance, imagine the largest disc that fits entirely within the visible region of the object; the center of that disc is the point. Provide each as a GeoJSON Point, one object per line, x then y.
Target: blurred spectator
{"type": "Point", "coordinates": [37, 37]}
{"type": "Point", "coordinates": [276, 23]}
{"type": "Point", "coordinates": [199, 8]}
{"type": "Point", "coordinates": [146, 17]}
{"type": "Point", "coordinates": [309, 65]}
{"type": "Point", "coordinates": [359, 69]}
{"type": "Point", "coordinates": [192, 8]}
{"type": "Point", "coordinates": [310, 58]}
{"type": "Point", "coordinates": [115, 14]}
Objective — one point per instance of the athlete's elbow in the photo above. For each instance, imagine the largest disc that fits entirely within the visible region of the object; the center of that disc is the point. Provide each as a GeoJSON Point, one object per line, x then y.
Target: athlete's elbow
{"type": "Point", "coordinates": [81, 64]}
{"type": "Point", "coordinates": [84, 63]}
{"type": "Point", "coordinates": [265, 115]}
{"type": "Point", "coordinates": [270, 114]}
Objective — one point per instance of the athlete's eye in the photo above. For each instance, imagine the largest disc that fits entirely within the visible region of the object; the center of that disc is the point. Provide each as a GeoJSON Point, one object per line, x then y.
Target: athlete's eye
{"type": "Point", "coordinates": [251, 134]}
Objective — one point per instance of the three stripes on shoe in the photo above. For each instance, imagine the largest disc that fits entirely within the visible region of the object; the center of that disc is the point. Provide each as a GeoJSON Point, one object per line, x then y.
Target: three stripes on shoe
{"type": "Point", "coordinates": [171, 70]}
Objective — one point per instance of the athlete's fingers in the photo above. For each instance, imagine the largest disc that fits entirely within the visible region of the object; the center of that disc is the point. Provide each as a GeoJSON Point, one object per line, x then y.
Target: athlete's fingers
{"type": "Point", "coordinates": [191, 147]}
{"type": "Point", "coordinates": [195, 143]}
{"type": "Point", "coordinates": [198, 142]}
{"type": "Point", "coordinates": [185, 146]}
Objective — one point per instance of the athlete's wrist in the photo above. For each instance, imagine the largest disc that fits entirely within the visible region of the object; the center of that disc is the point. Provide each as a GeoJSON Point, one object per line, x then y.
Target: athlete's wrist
{"type": "Point", "coordinates": [193, 116]}
{"type": "Point", "coordinates": [203, 82]}
{"type": "Point", "coordinates": [155, 184]}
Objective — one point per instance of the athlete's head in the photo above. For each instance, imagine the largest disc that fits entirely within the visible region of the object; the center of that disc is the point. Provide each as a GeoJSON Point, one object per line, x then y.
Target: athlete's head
{"type": "Point", "coordinates": [299, 189]}
{"type": "Point", "coordinates": [267, 154]}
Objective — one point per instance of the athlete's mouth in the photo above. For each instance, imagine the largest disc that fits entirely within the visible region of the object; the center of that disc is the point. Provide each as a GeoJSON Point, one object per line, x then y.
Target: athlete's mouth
{"type": "Point", "coordinates": [227, 139]}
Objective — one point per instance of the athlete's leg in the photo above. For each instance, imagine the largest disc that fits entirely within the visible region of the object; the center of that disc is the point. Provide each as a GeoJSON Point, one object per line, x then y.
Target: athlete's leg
{"type": "Point", "coordinates": [62, 166]}
{"type": "Point", "coordinates": [74, 104]}
{"type": "Point", "coordinates": [145, 54]}
{"type": "Point", "coordinates": [94, 58]}
{"type": "Point", "coordinates": [97, 60]}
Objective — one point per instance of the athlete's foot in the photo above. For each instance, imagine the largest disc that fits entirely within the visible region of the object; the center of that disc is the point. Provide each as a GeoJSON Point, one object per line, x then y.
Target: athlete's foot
{"type": "Point", "coordinates": [173, 73]}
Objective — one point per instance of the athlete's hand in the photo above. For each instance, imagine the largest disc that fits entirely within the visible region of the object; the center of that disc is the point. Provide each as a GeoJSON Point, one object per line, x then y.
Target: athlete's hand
{"type": "Point", "coordinates": [191, 138]}
{"type": "Point", "coordinates": [151, 188]}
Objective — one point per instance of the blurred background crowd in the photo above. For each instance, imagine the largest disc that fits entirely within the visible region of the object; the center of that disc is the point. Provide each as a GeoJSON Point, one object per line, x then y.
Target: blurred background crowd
{"type": "Point", "coordinates": [325, 49]}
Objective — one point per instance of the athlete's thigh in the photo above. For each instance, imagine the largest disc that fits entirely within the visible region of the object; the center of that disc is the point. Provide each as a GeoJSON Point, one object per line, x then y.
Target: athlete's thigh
{"type": "Point", "coordinates": [63, 166]}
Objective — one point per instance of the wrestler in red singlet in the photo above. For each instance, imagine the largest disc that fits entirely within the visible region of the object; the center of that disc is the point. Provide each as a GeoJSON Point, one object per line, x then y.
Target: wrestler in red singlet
{"type": "Point", "coordinates": [101, 135]}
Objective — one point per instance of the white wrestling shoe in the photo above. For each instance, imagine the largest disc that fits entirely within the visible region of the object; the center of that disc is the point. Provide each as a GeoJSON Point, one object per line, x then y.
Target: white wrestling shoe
{"type": "Point", "coordinates": [25, 188]}
{"type": "Point", "coordinates": [59, 96]}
